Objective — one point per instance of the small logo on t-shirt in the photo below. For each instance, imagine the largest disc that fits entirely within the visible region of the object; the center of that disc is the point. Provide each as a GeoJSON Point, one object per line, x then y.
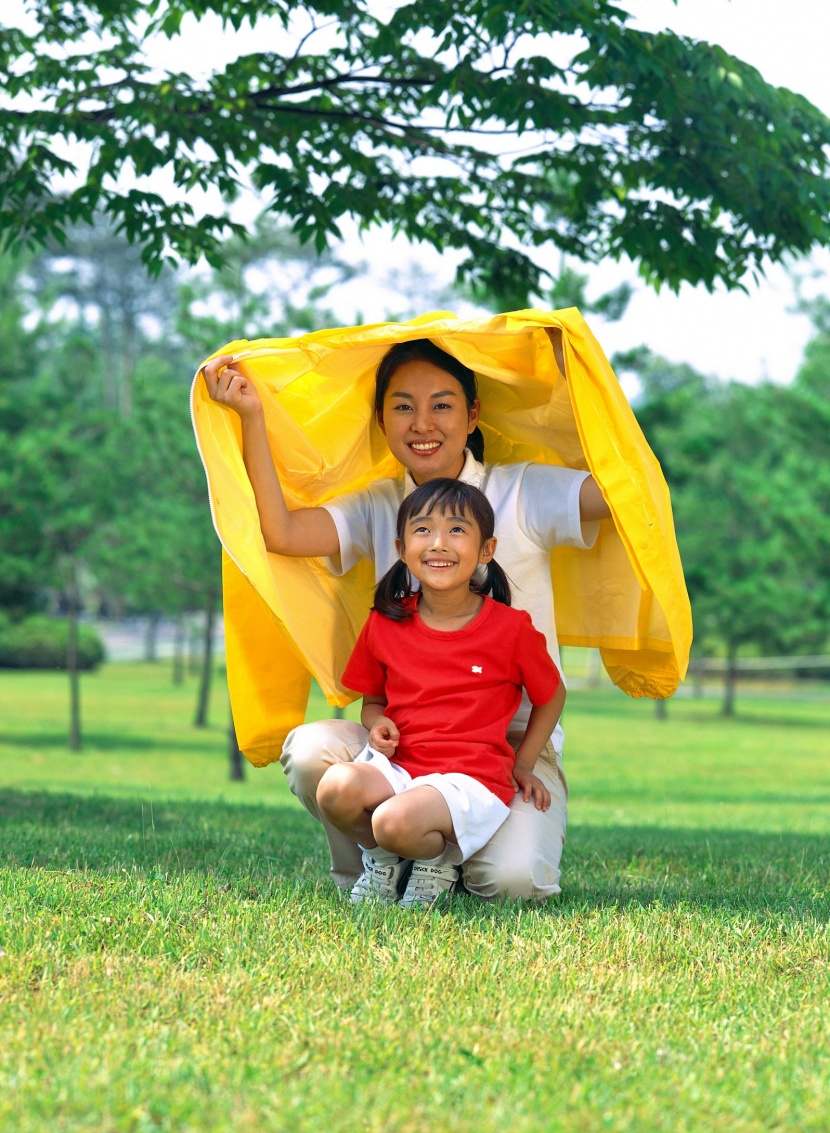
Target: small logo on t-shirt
{"type": "Point", "coordinates": [476, 668]}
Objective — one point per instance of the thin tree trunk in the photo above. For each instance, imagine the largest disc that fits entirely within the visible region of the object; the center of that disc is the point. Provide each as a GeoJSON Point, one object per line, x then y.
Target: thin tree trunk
{"type": "Point", "coordinates": [193, 650]}
{"type": "Point", "coordinates": [661, 710]}
{"type": "Point", "coordinates": [151, 637]}
{"type": "Point", "coordinates": [729, 684]}
{"type": "Point", "coordinates": [207, 664]}
{"type": "Point", "coordinates": [72, 664]}
{"type": "Point", "coordinates": [178, 652]}
{"type": "Point", "coordinates": [697, 681]}
{"type": "Point", "coordinates": [237, 762]}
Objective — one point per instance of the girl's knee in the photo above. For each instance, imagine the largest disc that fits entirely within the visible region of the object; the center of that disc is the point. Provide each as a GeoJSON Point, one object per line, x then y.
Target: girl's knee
{"type": "Point", "coordinates": [338, 792]}
{"type": "Point", "coordinates": [391, 827]}
{"type": "Point", "coordinates": [312, 748]}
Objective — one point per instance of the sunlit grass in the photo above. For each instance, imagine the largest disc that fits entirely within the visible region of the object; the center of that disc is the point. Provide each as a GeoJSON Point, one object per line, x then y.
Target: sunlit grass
{"type": "Point", "coordinates": [174, 957]}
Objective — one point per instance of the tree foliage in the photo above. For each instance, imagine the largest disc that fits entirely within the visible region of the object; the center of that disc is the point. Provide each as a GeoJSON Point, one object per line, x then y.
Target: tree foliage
{"type": "Point", "coordinates": [615, 141]}
{"type": "Point", "coordinates": [748, 471]}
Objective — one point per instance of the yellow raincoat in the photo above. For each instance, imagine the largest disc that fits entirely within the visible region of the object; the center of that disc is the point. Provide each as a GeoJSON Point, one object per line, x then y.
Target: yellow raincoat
{"type": "Point", "coordinates": [286, 619]}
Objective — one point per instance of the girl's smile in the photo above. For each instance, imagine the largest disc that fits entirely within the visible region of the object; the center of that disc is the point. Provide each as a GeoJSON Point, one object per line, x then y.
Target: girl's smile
{"type": "Point", "coordinates": [426, 420]}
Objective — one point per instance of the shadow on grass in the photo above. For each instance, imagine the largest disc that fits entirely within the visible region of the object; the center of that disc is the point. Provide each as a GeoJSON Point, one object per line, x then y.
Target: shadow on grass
{"type": "Point", "coordinates": [107, 835]}
{"type": "Point", "coordinates": [737, 870]}
{"type": "Point", "coordinates": [604, 866]}
{"type": "Point", "coordinates": [110, 743]}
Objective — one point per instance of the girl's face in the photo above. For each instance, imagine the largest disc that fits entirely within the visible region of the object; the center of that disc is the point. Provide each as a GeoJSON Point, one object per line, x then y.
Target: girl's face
{"type": "Point", "coordinates": [426, 420]}
{"type": "Point", "coordinates": [443, 550]}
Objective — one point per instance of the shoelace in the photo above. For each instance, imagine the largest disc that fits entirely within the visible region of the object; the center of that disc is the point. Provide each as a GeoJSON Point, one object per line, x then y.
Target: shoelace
{"type": "Point", "coordinates": [425, 888]}
{"type": "Point", "coordinates": [375, 873]}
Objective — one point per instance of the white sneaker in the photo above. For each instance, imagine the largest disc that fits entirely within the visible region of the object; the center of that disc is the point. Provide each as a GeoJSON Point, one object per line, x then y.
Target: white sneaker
{"type": "Point", "coordinates": [379, 880]}
{"type": "Point", "coordinates": [428, 883]}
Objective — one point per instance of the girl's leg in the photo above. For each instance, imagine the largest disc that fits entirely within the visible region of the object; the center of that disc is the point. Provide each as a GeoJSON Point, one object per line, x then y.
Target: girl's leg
{"type": "Point", "coordinates": [308, 752]}
{"type": "Point", "coordinates": [415, 824]}
{"type": "Point", "coordinates": [348, 795]}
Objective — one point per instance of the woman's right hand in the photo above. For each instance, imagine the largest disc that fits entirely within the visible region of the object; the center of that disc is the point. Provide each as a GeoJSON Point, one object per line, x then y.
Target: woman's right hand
{"type": "Point", "coordinates": [229, 386]}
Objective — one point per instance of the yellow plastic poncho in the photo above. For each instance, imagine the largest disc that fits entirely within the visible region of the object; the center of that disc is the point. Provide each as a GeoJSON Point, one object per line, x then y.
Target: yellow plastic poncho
{"type": "Point", "coordinates": [286, 619]}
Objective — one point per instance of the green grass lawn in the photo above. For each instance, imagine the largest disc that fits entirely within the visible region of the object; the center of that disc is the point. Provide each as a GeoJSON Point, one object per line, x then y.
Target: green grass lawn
{"type": "Point", "coordinates": [173, 957]}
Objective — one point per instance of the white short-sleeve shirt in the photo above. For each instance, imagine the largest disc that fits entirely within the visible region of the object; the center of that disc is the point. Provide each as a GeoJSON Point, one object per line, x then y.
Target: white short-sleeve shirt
{"type": "Point", "coordinates": [536, 508]}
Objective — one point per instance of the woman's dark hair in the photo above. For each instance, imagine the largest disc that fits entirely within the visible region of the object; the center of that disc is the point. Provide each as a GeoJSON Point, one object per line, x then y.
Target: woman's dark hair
{"type": "Point", "coordinates": [457, 498]}
{"type": "Point", "coordinates": [422, 350]}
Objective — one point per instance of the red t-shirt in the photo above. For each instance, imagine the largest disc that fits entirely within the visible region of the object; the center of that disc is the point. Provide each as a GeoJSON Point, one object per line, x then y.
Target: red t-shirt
{"type": "Point", "coordinates": [452, 695]}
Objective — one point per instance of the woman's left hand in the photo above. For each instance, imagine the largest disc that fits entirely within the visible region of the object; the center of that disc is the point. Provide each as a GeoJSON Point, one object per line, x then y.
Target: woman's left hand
{"type": "Point", "coordinates": [531, 787]}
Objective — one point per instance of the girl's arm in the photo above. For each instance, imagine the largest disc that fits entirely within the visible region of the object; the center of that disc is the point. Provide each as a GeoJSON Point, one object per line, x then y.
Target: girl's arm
{"type": "Point", "coordinates": [543, 719]}
{"type": "Point", "coordinates": [306, 531]}
{"type": "Point", "coordinates": [383, 735]}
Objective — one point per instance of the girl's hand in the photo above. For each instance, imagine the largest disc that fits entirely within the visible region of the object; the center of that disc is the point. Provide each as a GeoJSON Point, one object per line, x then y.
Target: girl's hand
{"type": "Point", "coordinates": [384, 736]}
{"type": "Point", "coordinates": [531, 787]}
{"type": "Point", "coordinates": [230, 387]}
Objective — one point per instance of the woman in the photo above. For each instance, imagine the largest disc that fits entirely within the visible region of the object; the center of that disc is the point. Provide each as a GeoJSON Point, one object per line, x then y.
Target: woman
{"type": "Point", "coordinates": [427, 406]}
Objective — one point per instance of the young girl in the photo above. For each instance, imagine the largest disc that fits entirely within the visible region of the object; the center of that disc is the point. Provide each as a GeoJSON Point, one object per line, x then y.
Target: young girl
{"type": "Point", "coordinates": [441, 673]}
{"type": "Point", "coordinates": [427, 406]}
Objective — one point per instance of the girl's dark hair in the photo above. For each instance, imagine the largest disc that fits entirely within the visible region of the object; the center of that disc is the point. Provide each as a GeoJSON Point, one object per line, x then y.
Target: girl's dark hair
{"type": "Point", "coordinates": [457, 498]}
{"type": "Point", "coordinates": [422, 350]}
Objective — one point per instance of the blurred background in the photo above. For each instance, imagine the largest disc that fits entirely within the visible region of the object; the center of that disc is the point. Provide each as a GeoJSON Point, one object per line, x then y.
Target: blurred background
{"type": "Point", "coordinates": [109, 567]}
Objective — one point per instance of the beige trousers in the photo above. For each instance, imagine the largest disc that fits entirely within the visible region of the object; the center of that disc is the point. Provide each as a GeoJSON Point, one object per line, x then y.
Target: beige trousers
{"type": "Point", "coordinates": [520, 860]}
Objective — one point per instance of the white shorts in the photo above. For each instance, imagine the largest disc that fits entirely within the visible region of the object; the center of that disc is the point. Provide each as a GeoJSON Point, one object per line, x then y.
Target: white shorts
{"type": "Point", "coordinates": [475, 811]}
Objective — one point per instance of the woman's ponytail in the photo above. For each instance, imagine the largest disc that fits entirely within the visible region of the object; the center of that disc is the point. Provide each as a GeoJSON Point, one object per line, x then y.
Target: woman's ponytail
{"type": "Point", "coordinates": [391, 591]}
{"type": "Point", "coordinates": [475, 443]}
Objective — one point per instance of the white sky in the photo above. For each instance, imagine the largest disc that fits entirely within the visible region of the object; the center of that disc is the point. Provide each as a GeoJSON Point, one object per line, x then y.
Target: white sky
{"type": "Point", "coordinates": [733, 335]}
{"type": "Point", "coordinates": [730, 334]}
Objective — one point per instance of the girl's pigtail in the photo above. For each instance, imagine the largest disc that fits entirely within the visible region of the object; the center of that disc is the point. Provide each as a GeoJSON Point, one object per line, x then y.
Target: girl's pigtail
{"type": "Point", "coordinates": [390, 592]}
{"type": "Point", "coordinates": [497, 585]}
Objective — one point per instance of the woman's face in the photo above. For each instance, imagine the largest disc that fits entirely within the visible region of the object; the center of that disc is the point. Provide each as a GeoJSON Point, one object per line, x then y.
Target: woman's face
{"type": "Point", "coordinates": [426, 420]}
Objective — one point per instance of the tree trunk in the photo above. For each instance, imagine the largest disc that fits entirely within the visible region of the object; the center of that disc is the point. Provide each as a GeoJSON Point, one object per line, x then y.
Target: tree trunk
{"type": "Point", "coordinates": [151, 637]}
{"type": "Point", "coordinates": [661, 710]}
{"type": "Point", "coordinates": [193, 650]}
{"type": "Point", "coordinates": [178, 652]}
{"type": "Point", "coordinates": [237, 762]}
{"type": "Point", "coordinates": [729, 683]}
{"type": "Point", "coordinates": [697, 681]}
{"type": "Point", "coordinates": [207, 664]}
{"type": "Point", "coordinates": [72, 664]}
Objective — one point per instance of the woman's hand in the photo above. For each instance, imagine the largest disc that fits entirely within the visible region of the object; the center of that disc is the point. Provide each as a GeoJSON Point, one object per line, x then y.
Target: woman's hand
{"type": "Point", "coordinates": [229, 386]}
{"type": "Point", "coordinates": [531, 787]}
{"type": "Point", "coordinates": [384, 736]}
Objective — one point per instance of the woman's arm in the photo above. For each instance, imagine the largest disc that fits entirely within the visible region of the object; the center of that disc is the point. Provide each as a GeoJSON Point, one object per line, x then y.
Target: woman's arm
{"type": "Point", "coordinates": [592, 504]}
{"type": "Point", "coordinates": [543, 719]}
{"type": "Point", "coordinates": [306, 531]}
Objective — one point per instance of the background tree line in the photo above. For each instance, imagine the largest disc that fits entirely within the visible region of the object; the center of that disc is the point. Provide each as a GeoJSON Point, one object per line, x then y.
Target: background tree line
{"type": "Point", "coordinates": [102, 494]}
{"type": "Point", "coordinates": [647, 145]}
